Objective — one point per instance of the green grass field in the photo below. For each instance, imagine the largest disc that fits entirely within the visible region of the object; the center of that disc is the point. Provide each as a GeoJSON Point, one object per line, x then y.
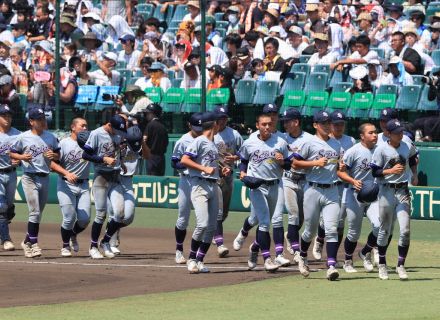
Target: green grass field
{"type": "Point", "coordinates": [358, 296]}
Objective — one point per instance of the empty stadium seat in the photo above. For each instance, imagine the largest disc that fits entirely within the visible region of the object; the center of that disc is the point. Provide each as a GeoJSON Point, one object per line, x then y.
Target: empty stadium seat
{"type": "Point", "coordinates": [173, 99]}
{"type": "Point", "coordinates": [181, 11]}
{"type": "Point", "coordinates": [244, 93]}
{"type": "Point", "coordinates": [192, 100]}
{"type": "Point", "coordinates": [293, 99]}
{"type": "Point", "coordinates": [301, 67]}
{"type": "Point", "coordinates": [388, 89]}
{"type": "Point", "coordinates": [294, 82]}
{"type": "Point", "coordinates": [266, 92]}
{"type": "Point", "coordinates": [342, 86]}
{"type": "Point", "coordinates": [316, 81]}
{"type": "Point", "coordinates": [360, 105]}
{"type": "Point", "coordinates": [408, 98]}
{"type": "Point", "coordinates": [217, 97]}
{"type": "Point", "coordinates": [339, 101]}
{"type": "Point", "coordinates": [315, 101]}
{"type": "Point", "coordinates": [154, 94]}
{"type": "Point", "coordinates": [304, 58]}
{"type": "Point", "coordinates": [381, 101]}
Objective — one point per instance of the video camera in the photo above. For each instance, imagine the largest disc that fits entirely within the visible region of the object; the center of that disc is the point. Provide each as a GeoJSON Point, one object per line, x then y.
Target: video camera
{"type": "Point", "coordinates": [112, 97]}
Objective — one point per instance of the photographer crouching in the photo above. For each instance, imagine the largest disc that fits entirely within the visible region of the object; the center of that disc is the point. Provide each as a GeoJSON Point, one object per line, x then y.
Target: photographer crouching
{"type": "Point", "coordinates": [133, 103]}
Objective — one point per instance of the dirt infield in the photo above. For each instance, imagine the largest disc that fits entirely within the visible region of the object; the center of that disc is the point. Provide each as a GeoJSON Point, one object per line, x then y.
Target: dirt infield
{"type": "Point", "coordinates": [145, 266]}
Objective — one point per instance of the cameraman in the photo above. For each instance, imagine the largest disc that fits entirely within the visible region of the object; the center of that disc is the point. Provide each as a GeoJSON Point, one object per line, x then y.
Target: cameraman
{"type": "Point", "coordinates": [136, 102]}
{"type": "Point", "coordinates": [39, 29]}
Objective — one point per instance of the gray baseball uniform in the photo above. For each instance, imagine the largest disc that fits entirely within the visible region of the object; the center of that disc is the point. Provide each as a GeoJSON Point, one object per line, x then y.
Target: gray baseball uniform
{"type": "Point", "coordinates": [394, 196]}
{"type": "Point", "coordinates": [184, 193]}
{"type": "Point", "coordinates": [74, 198]}
{"type": "Point", "coordinates": [357, 160]}
{"type": "Point", "coordinates": [8, 181]}
{"type": "Point", "coordinates": [106, 182]}
{"type": "Point", "coordinates": [35, 180]}
{"type": "Point", "coordinates": [204, 189]}
{"type": "Point", "coordinates": [321, 194]}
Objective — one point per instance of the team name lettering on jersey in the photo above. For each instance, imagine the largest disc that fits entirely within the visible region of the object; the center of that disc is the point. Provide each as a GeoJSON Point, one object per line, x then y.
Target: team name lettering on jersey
{"type": "Point", "coordinates": [36, 150]}
{"type": "Point", "coordinates": [74, 156]}
{"type": "Point", "coordinates": [108, 149]}
{"type": "Point", "coordinates": [210, 156]}
{"type": "Point", "coordinates": [327, 154]}
{"type": "Point", "coordinates": [4, 149]}
{"type": "Point", "coordinates": [259, 156]}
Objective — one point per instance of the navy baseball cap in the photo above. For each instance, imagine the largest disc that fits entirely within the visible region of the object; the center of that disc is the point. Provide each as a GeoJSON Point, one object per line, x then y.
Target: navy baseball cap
{"type": "Point", "coordinates": [221, 111]}
{"type": "Point", "coordinates": [210, 116]}
{"type": "Point", "coordinates": [387, 114]}
{"type": "Point", "coordinates": [321, 116]}
{"type": "Point", "coordinates": [196, 121]}
{"type": "Point", "coordinates": [269, 108]}
{"type": "Point", "coordinates": [395, 126]}
{"type": "Point", "coordinates": [290, 114]}
{"type": "Point", "coordinates": [134, 138]}
{"type": "Point", "coordinates": [118, 123]}
{"type": "Point", "coordinates": [337, 117]}
{"type": "Point", "coordinates": [127, 37]}
{"type": "Point", "coordinates": [36, 114]}
{"type": "Point", "coordinates": [4, 109]}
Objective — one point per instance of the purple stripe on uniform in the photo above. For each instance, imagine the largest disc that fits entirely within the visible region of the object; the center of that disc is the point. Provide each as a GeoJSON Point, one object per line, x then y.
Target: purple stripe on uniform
{"type": "Point", "coordinates": [265, 254]}
{"type": "Point", "coordinates": [295, 245]}
{"type": "Point", "coordinates": [191, 251]}
{"type": "Point", "coordinates": [200, 253]}
{"type": "Point", "coordinates": [279, 247]}
{"type": "Point", "coordinates": [33, 238]}
{"type": "Point", "coordinates": [93, 241]}
{"type": "Point", "coordinates": [179, 244]}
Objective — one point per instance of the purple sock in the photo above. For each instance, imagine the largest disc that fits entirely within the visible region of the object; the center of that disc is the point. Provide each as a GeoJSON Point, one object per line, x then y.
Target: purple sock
{"type": "Point", "coordinates": [246, 227]}
{"type": "Point", "coordinates": [332, 251]}
{"type": "Point", "coordinates": [180, 238]}
{"type": "Point", "coordinates": [349, 249]}
{"type": "Point", "coordinates": [32, 234]}
{"type": "Point", "coordinates": [218, 235]}
{"type": "Point", "coordinates": [278, 239]}
{"type": "Point", "coordinates": [264, 242]}
{"type": "Point", "coordinates": [382, 254]}
{"type": "Point", "coordinates": [194, 247]}
{"type": "Point", "coordinates": [371, 243]}
{"type": "Point", "coordinates": [203, 249]}
{"type": "Point", "coordinates": [293, 236]}
{"type": "Point", "coordinates": [96, 231]}
{"type": "Point", "coordinates": [304, 248]}
{"type": "Point", "coordinates": [65, 237]}
{"type": "Point", "coordinates": [403, 252]}
{"type": "Point", "coordinates": [321, 235]}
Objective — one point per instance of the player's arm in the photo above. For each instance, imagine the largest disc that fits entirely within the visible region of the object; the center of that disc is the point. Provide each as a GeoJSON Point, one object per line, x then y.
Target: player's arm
{"type": "Point", "coordinates": [176, 163]}
{"type": "Point", "coordinates": [306, 164]}
{"type": "Point", "coordinates": [187, 161]}
{"type": "Point", "coordinates": [20, 157]}
{"type": "Point", "coordinates": [344, 176]}
{"type": "Point", "coordinates": [89, 154]}
{"type": "Point", "coordinates": [71, 177]}
{"type": "Point", "coordinates": [379, 172]}
{"type": "Point", "coordinates": [413, 162]}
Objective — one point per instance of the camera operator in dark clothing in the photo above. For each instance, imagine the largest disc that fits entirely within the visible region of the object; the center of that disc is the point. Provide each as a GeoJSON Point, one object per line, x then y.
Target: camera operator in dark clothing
{"type": "Point", "coordinates": [155, 141]}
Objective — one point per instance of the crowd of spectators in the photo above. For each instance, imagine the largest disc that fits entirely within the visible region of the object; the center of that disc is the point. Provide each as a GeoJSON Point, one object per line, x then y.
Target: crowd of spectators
{"type": "Point", "coordinates": [376, 42]}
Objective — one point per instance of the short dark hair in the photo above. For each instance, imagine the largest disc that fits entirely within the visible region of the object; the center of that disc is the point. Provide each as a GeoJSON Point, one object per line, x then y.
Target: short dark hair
{"type": "Point", "coordinates": [208, 125]}
{"type": "Point", "coordinates": [364, 40]}
{"type": "Point", "coordinates": [272, 41]}
{"type": "Point", "coordinates": [234, 38]}
{"type": "Point", "coordinates": [252, 35]}
{"type": "Point", "coordinates": [362, 127]}
{"type": "Point", "coordinates": [399, 34]}
{"type": "Point", "coordinates": [147, 60]}
{"type": "Point", "coordinates": [262, 115]}
{"type": "Point", "coordinates": [75, 120]}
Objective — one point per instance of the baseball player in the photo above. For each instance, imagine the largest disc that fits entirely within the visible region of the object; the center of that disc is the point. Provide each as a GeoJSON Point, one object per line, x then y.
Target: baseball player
{"type": "Point", "coordinates": [264, 157]}
{"type": "Point", "coordinates": [202, 160]}
{"type": "Point", "coordinates": [389, 164]}
{"type": "Point", "coordinates": [8, 175]}
{"type": "Point", "coordinates": [73, 197]}
{"type": "Point", "coordinates": [131, 152]}
{"type": "Point", "coordinates": [357, 172]}
{"type": "Point", "coordinates": [277, 218]}
{"type": "Point", "coordinates": [294, 180]}
{"type": "Point", "coordinates": [228, 142]}
{"type": "Point", "coordinates": [386, 115]}
{"type": "Point", "coordinates": [184, 193]}
{"type": "Point", "coordinates": [320, 155]}
{"type": "Point", "coordinates": [337, 132]}
{"type": "Point", "coordinates": [103, 149]}
{"type": "Point", "coordinates": [35, 148]}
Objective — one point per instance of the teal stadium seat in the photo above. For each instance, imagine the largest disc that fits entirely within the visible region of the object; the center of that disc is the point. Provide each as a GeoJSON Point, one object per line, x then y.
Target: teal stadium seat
{"type": "Point", "coordinates": [244, 93]}
{"type": "Point", "coordinates": [408, 98]}
{"type": "Point", "coordinates": [295, 82]}
{"type": "Point", "coordinates": [266, 92]}
{"type": "Point", "coordinates": [316, 81]}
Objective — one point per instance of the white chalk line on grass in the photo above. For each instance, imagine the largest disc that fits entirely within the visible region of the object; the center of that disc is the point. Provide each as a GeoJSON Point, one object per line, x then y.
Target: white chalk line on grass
{"type": "Point", "coordinates": [122, 265]}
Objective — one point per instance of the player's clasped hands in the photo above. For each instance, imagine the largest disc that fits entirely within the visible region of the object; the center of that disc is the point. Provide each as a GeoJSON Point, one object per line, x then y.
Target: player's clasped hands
{"type": "Point", "coordinates": [49, 154]}
{"type": "Point", "coordinates": [71, 177]}
{"type": "Point", "coordinates": [109, 161]}
{"type": "Point", "coordinates": [209, 170]}
{"type": "Point", "coordinates": [226, 171]}
{"type": "Point", "coordinates": [398, 169]}
{"type": "Point", "coordinates": [357, 184]}
{"type": "Point", "coordinates": [279, 157]}
{"type": "Point", "coordinates": [322, 162]}
{"type": "Point", "coordinates": [26, 157]}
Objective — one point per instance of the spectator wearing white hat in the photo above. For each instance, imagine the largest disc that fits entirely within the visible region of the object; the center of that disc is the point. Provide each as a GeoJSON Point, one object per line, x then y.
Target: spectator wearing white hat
{"type": "Point", "coordinates": [435, 36]}
{"type": "Point", "coordinates": [92, 22]}
{"type": "Point", "coordinates": [105, 75]}
{"type": "Point", "coordinates": [233, 16]}
{"type": "Point", "coordinates": [194, 11]}
{"type": "Point", "coordinates": [158, 77]}
{"type": "Point", "coordinates": [295, 39]}
{"type": "Point", "coordinates": [324, 55]}
{"type": "Point", "coordinates": [412, 40]}
{"type": "Point", "coordinates": [397, 74]}
{"type": "Point", "coordinates": [361, 82]}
